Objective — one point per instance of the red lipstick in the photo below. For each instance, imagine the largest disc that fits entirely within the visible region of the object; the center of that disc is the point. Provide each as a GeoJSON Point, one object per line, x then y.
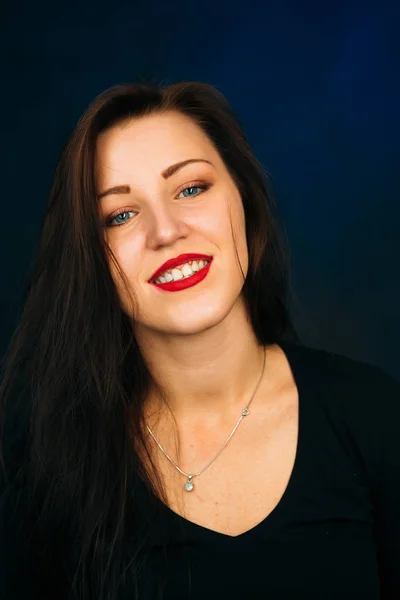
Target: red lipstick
{"type": "Point", "coordinates": [181, 284]}
{"type": "Point", "coordinates": [176, 262]}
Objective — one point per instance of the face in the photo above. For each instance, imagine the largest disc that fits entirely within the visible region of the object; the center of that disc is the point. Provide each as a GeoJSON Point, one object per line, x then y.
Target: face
{"type": "Point", "coordinates": [191, 211]}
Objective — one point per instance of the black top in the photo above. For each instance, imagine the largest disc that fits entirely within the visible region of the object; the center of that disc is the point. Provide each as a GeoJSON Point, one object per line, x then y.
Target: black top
{"type": "Point", "coordinates": [335, 534]}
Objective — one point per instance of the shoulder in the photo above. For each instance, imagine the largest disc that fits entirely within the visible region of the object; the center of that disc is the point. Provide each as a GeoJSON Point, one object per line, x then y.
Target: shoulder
{"type": "Point", "coordinates": [337, 369]}
{"type": "Point", "coordinates": [343, 381]}
{"type": "Point", "coordinates": [357, 401]}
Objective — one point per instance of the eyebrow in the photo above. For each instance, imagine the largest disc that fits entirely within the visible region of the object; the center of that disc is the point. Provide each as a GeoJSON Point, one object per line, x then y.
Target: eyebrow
{"type": "Point", "coordinates": [168, 172]}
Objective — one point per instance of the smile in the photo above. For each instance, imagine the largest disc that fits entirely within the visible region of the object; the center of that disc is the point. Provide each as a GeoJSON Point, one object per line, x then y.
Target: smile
{"type": "Point", "coordinates": [187, 275]}
{"type": "Point", "coordinates": [181, 272]}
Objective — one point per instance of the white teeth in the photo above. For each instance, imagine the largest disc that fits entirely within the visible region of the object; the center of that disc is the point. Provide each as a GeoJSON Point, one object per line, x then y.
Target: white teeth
{"type": "Point", "coordinates": [176, 274]}
{"type": "Point", "coordinates": [186, 270]}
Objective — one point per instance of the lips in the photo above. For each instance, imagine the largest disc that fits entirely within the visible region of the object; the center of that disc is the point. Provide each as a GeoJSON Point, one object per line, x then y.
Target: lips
{"type": "Point", "coordinates": [176, 262]}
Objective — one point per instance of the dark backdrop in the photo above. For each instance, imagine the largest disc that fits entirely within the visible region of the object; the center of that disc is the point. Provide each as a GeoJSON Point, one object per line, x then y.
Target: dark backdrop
{"type": "Point", "coordinates": [316, 86]}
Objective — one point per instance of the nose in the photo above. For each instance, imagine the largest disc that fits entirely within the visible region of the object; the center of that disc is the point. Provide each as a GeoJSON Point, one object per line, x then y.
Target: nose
{"type": "Point", "coordinates": [165, 226]}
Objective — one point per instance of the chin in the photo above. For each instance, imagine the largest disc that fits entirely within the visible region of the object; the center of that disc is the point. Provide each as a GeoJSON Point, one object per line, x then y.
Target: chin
{"type": "Point", "coordinates": [180, 323]}
{"type": "Point", "coordinates": [193, 326]}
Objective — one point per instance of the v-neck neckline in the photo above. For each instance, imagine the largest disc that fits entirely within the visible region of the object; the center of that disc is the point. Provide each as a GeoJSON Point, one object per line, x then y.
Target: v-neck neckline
{"type": "Point", "coordinates": [289, 349]}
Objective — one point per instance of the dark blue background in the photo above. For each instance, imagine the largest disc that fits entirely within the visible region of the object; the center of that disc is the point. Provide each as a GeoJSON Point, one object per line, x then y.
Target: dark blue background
{"type": "Point", "coordinates": [316, 86]}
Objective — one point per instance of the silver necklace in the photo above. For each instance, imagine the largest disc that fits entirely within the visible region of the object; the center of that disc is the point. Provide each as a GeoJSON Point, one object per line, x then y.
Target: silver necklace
{"type": "Point", "coordinates": [189, 483]}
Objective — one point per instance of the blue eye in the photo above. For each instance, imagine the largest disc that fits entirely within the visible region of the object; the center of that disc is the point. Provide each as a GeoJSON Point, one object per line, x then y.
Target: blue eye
{"type": "Point", "coordinates": [113, 218]}
{"type": "Point", "coordinates": [194, 187]}
{"type": "Point", "coordinates": [122, 212]}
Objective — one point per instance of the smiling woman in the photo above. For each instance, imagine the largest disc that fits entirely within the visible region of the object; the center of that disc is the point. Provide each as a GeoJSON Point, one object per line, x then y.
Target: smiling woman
{"type": "Point", "coordinates": [136, 467]}
{"type": "Point", "coordinates": [163, 222]}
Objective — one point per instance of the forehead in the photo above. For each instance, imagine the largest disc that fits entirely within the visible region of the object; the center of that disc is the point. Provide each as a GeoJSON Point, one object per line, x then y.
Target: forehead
{"type": "Point", "coordinates": [159, 139]}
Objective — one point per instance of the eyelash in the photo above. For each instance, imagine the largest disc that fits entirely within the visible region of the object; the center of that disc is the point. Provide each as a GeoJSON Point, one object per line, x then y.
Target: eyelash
{"type": "Point", "coordinates": [201, 186]}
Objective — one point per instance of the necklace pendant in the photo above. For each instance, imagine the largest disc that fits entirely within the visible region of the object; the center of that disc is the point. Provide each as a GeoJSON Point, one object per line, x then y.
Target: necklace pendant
{"type": "Point", "coordinates": [189, 485]}
{"type": "Point", "coordinates": [245, 412]}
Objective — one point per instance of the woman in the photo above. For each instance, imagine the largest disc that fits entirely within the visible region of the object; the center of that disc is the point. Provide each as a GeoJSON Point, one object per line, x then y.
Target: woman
{"type": "Point", "coordinates": [169, 435]}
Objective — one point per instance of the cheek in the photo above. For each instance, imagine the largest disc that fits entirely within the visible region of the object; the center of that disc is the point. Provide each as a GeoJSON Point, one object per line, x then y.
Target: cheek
{"type": "Point", "coordinates": [239, 235]}
{"type": "Point", "coordinates": [127, 253]}
{"type": "Point", "coordinates": [236, 225]}
{"type": "Point", "coordinates": [225, 216]}
{"type": "Point", "coordinates": [127, 258]}
{"type": "Point", "coordinates": [228, 228]}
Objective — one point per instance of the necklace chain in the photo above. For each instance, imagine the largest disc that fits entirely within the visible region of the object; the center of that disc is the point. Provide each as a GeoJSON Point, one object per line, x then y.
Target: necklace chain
{"type": "Point", "coordinates": [245, 412]}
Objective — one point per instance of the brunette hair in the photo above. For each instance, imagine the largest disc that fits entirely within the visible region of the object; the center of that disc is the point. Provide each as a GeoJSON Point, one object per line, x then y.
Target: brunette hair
{"type": "Point", "coordinates": [73, 380]}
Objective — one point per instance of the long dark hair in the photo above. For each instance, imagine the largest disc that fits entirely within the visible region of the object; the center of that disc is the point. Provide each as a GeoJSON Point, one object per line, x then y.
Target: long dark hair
{"type": "Point", "coordinates": [73, 380]}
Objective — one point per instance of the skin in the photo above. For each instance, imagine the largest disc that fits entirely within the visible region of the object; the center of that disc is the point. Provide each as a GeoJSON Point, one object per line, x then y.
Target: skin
{"type": "Point", "coordinates": [198, 342]}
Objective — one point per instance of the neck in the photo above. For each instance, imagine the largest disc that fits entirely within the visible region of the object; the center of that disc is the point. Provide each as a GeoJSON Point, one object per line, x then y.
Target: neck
{"type": "Point", "coordinates": [207, 377]}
